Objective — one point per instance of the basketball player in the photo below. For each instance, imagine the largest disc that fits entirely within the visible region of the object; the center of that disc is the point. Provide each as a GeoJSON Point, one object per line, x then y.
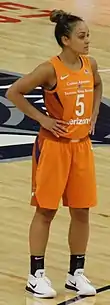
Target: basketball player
{"type": "Point", "coordinates": [63, 163]}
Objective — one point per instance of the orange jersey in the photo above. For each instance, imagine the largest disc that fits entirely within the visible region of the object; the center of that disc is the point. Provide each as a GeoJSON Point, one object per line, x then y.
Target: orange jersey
{"type": "Point", "coordinates": [72, 98]}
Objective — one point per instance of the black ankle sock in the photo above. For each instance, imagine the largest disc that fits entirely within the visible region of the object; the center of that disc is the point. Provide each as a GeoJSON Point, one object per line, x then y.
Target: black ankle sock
{"type": "Point", "coordinates": [37, 262]}
{"type": "Point", "coordinates": [76, 262]}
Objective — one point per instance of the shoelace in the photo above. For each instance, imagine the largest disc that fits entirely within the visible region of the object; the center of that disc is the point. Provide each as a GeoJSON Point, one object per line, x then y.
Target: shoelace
{"type": "Point", "coordinates": [45, 279]}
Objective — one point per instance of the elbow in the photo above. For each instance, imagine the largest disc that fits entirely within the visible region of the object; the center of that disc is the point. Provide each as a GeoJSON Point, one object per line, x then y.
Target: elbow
{"type": "Point", "coordinates": [8, 94]}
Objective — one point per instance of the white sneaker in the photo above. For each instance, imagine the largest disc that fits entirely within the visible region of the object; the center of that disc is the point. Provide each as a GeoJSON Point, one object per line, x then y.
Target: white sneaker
{"type": "Point", "coordinates": [80, 283]}
{"type": "Point", "coordinates": [40, 286]}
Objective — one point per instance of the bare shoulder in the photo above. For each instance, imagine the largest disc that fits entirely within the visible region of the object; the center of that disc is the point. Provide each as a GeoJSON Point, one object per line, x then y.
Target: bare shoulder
{"type": "Point", "coordinates": [45, 68]}
{"type": "Point", "coordinates": [43, 73]}
{"type": "Point", "coordinates": [96, 75]}
{"type": "Point", "coordinates": [47, 74]}
{"type": "Point", "coordinates": [40, 76]}
{"type": "Point", "coordinates": [94, 64]}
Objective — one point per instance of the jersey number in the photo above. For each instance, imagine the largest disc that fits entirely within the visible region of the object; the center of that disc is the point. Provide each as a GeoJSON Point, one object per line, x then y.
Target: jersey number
{"type": "Point", "coordinates": [80, 104]}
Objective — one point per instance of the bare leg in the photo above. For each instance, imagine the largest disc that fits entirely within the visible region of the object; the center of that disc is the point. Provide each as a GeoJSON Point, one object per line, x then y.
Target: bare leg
{"type": "Point", "coordinates": [39, 231]}
{"type": "Point", "coordinates": [78, 231]}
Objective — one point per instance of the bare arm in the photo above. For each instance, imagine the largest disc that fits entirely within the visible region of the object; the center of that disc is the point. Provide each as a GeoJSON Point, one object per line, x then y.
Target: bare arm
{"type": "Point", "coordinates": [42, 75]}
{"type": "Point", "coordinates": [24, 85]}
{"type": "Point", "coordinates": [97, 87]}
{"type": "Point", "coordinates": [97, 93]}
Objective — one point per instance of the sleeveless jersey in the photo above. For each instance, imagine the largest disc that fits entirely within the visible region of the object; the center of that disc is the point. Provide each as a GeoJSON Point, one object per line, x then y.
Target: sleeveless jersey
{"type": "Point", "coordinates": [72, 98]}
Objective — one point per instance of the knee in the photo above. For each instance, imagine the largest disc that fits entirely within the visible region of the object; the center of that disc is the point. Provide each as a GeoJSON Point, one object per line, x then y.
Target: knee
{"type": "Point", "coordinates": [45, 215]}
{"type": "Point", "coordinates": [81, 215]}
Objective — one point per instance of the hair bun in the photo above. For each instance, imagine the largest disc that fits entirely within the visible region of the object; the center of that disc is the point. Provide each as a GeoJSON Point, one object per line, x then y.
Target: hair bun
{"type": "Point", "coordinates": [57, 15]}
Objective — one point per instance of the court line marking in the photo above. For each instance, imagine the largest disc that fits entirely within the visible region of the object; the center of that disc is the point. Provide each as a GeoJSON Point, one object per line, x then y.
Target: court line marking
{"type": "Point", "coordinates": [13, 276]}
{"type": "Point", "coordinates": [104, 70]}
{"type": "Point", "coordinates": [79, 298]}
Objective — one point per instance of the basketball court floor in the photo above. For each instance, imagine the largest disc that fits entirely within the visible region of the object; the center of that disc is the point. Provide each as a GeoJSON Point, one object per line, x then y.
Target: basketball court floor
{"type": "Point", "coordinates": [27, 39]}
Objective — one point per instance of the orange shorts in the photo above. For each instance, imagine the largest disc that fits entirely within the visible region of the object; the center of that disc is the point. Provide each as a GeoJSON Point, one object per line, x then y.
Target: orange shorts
{"type": "Point", "coordinates": [63, 170]}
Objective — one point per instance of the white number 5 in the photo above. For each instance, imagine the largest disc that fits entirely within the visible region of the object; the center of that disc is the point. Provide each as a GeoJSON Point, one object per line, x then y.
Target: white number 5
{"type": "Point", "coordinates": [80, 104]}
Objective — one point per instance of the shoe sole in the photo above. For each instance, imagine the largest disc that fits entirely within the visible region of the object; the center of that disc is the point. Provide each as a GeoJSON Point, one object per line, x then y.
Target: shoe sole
{"type": "Point", "coordinates": [38, 295]}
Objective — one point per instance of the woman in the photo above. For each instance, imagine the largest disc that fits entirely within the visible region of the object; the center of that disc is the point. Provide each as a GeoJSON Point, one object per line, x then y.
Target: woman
{"type": "Point", "coordinates": [63, 164]}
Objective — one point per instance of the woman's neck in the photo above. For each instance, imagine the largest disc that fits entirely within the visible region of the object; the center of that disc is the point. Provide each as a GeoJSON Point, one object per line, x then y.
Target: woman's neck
{"type": "Point", "coordinates": [69, 57]}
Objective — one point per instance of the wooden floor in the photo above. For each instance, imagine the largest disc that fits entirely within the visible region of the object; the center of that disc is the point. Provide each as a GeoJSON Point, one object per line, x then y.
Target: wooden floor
{"type": "Point", "coordinates": [23, 45]}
